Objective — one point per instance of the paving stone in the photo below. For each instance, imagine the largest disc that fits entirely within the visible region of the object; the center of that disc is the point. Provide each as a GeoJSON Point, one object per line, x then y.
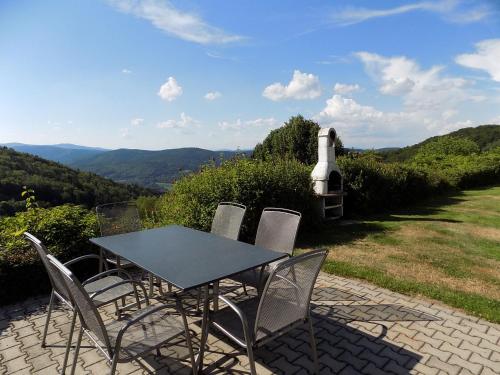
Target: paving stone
{"type": "Point", "coordinates": [12, 352]}
{"type": "Point", "coordinates": [398, 342]}
{"type": "Point", "coordinates": [41, 362]}
{"type": "Point", "coordinates": [447, 347]}
{"type": "Point", "coordinates": [475, 358]}
{"type": "Point", "coordinates": [444, 366]}
{"type": "Point", "coordinates": [464, 364]}
{"type": "Point", "coordinates": [17, 364]}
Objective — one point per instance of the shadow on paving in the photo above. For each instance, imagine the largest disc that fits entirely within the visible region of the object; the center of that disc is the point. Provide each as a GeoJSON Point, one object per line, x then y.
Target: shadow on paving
{"type": "Point", "coordinates": [339, 347]}
{"type": "Point", "coordinates": [372, 313]}
{"type": "Point", "coordinates": [334, 294]}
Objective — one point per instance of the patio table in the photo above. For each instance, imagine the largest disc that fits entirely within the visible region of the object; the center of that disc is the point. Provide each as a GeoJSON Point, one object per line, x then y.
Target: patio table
{"type": "Point", "coordinates": [188, 259]}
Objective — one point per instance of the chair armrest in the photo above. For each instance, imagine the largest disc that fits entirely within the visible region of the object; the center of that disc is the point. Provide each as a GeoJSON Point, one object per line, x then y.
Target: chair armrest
{"type": "Point", "coordinates": [107, 273]}
{"type": "Point", "coordinates": [134, 282]}
{"type": "Point", "coordinates": [85, 257]}
{"type": "Point", "coordinates": [240, 314]}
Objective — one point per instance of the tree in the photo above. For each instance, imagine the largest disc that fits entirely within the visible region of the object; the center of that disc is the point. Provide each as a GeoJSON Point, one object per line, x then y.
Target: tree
{"type": "Point", "coordinates": [296, 139]}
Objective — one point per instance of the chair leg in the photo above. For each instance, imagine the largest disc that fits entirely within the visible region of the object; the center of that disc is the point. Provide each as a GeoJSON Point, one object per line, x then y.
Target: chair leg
{"type": "Point", "coordinates": [114, 363]}
{"type": "Point", "coordinates": [188, 335]}
{"type": "Point", "coordinates": [117, 309]}
{"type": "Point", "coordinates": [151, 286]}
{"type": "Point", "coordinates": [251, 359]}
{"type": "Point", "coordinates": [77, 350]}
{"type": "Point", "coordinates": [49, 313]}
{"type": "Point", "coordinates": [245, 289]}
{"type": "Point", "coordinates": [160, 286]}
{"type": "Point", "coordinates": [215, 296]}
{"type": "Point", "coordinates": [68, 345]}
{"type": "Point", "coordinates": [198, 300]}
{"type": "Point", "coordinates": [313, 347]}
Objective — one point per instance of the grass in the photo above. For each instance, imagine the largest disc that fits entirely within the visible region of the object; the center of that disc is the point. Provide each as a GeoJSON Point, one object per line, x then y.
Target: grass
{"type": "Point", "coordinates": [447, 249]}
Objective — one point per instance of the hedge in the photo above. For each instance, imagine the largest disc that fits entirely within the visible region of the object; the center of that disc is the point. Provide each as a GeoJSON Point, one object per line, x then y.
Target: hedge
{"type": "Point", "coordinates": [256, 184]}
{"type": "Point", "coordinates": [65, 231]}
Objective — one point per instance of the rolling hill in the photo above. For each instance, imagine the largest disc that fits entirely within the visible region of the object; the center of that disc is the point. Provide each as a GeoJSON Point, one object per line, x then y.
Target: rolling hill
{"type": "Point", "coordinates": [63, 153]}
{"type": "Point", "coordinates": [486, 136]}
{"type": "Point", "coordinates": [152, 169]}
{"type": "Point", "coordinates": [54, 183]}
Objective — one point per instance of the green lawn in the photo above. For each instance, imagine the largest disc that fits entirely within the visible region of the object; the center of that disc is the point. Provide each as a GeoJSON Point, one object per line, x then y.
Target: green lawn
{"type": "Point", "coordinates": [447, 249]}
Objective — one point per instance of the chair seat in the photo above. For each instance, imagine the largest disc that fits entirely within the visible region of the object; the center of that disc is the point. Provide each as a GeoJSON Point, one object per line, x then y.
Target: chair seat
{"type": "Point", "coordinates": [227, 319]}
{"type": "Point", "coordinates": [109, 295]}
{"type": "Point", "coordinates": [253, 277]}
{"type": "Point", "coordinates": [146, 334]}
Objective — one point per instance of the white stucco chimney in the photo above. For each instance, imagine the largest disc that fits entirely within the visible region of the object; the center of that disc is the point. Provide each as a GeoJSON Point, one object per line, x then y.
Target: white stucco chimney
{"type": "Point", "coordinates": [326, 176]}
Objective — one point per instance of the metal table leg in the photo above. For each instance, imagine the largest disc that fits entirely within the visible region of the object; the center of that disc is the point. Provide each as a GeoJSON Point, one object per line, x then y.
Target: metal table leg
{"type": "Point", "coordinates": [204, 330]}
{"type": "Point", "coordinates": [215, 296]}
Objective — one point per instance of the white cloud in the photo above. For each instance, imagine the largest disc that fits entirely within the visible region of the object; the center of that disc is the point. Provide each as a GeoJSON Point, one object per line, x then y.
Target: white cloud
{"type": "Point", "coordinates": [346, 111]}
{"type": "Point", "coordinates": [486, 57]}
{"type": "Point", "coordinates": [182, 24]}
{"type": "Point", "coordinates": [136, 121]}
{"type": "Point", "coordinates": [212, 95]}
{"type": "Point", "coordinates": [302, 86]}
{"type": "Point", "coordinates": [425, 90]}
{"type": "Point", "coordinates": [267, 123]}
{"type": "Point", "coordinates": [367, 126]}
{"type": "Point", "coordinates": [170, 90]}
{"type": "Point", "coordinates": [125, 133]}
{"type": "Point", "coordinates": [183, 122]}
{"type": "Point", "coordinates": [344, 89]}
{"type": "Point", "coordinates": [452, 10]}
{"type": "Point", "coordinates": [126, 71]}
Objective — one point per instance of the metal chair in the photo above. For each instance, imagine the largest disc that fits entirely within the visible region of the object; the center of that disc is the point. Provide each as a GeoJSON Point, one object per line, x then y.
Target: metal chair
{"type": "Point", "coordinates": [226, 223]}
{"type": "Point", "coordinates": [277, 230]}
{"type": "Point", "coordinates": [283, 305]}
{"type": "Point", "coordinates": [129, 338]}
{"type": "Point", "coordinates": [116, 282]}
{"type": "Point", "coordinates": [227, 220]}
{"type": "Point", "coordinates": [118, 218]}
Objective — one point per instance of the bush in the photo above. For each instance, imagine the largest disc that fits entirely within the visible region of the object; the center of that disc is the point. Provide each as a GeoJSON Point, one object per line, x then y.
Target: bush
{"type": "Point", "coordinates": [65, 231]}
{"type": "Point", "coordinates": [373, 186]}
{"type": "Point", "coordinates": [256, 184]}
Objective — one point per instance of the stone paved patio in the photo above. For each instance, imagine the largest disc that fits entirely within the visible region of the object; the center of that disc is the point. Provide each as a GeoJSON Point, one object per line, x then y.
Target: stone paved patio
{"type": "Point", "coordinates": [360, 328]}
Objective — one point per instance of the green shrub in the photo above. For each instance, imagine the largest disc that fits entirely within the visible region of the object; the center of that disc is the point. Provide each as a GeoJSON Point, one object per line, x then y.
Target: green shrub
{"type": "Point", "coordinates": [373, 186]}
{"type": "Point", "coordinates": [65, 231]}
{"type": "Point", "coordinates": [256, 184]}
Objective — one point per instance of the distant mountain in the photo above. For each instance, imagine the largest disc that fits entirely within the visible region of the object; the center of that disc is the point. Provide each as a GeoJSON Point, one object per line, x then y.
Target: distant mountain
{"type": "Point", "coordinates": [486, 136]}
{"type": "Point", "coordinates": [153, 169]}
{"type": "Point", "coordinates": [63, 153]}
{"type": "Point", "coordinates": [54, 183]}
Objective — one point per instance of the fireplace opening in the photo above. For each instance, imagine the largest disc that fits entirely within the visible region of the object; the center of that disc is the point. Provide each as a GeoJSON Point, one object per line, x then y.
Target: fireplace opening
{"type": "Point", "coordinates": [334, 181]}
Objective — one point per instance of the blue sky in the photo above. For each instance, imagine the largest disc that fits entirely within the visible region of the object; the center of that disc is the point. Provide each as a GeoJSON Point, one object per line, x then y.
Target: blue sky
{"type": "Point", "coordinates": [157, 74]}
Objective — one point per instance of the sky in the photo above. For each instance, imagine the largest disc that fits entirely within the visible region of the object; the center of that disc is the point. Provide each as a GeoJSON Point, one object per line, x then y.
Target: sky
{"type": "Point", "coordinates": [157, 74]}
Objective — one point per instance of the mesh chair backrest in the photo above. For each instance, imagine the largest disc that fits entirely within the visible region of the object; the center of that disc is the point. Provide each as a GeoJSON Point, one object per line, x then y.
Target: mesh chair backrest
{"type": "Point", "coordinates": [278, 229]}
{"type": "Point", "coordinates": [89, 316]}
{"type": "Point", "coordinates": [118, 218]}
{"type": "Point", "coordinates": [227, 220]}
{"type": "Point", "coordinates": [287, 294]}
{"type": "Point", "coordinates": [54, 277]}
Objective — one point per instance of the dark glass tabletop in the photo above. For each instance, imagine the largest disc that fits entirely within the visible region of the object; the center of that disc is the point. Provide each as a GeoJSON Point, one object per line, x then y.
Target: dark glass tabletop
{"type": "Point", "coordinates": [186, 258]}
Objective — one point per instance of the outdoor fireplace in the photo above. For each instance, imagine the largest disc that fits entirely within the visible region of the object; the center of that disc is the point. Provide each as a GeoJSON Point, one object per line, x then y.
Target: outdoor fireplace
{"type": "Point", "coordinates": [326, 176]}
